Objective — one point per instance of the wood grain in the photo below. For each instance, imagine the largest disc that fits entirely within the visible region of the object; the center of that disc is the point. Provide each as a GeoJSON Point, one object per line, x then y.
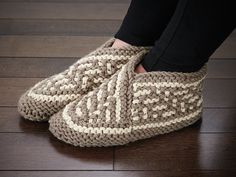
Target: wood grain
{"type": "Point", "coordinates": [215, 120]}
{"type": "Point", "coordinates": [48, 46]}
{"type": "Point", "coordinates": [182, 150]}
{"type": "Point", "coordinates": [41, 151]}
{"type": "Point", "coordinates": [33, 67]}
{"type": "Point", "coordinates": [59, 27]}
{"type": "Point", "coordinates": [219, 93]}
{"type": "Point", "coordinates": [11, 89]}
{"type": "Point", "coordinates": [11, 121]}
{"type": "Point", "coordinates": [221, 68]}
{"type": "Point", "coordinates": [25, 10]}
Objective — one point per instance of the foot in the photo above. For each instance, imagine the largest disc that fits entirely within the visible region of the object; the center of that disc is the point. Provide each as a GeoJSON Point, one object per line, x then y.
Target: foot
{"type": "Point", "coordinates": [120, 44]}
{"type": "Point", "coordinates": [140, 69]}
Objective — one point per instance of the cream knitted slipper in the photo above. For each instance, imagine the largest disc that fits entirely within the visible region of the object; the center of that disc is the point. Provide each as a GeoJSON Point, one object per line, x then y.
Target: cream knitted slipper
{"type": "Point", "coordinates": [52, 94]}
{"type": "Point", "coordinates": [131, 106]}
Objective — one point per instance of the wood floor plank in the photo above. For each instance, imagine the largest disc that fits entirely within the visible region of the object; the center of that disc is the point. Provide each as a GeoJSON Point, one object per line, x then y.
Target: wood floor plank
{"type": "Point", "coordinates": [118, 173]}
{"type": "Point", "coordinates": [221, 68]}
{"type": "Point", "coordinates": [214, 120]}
{"type": "Point", "coordinates": [217, 120]}
{"type": "Point", "coordinates": [182, 150]}
{"type": "Point", "coordinates": [59, 27]}
{"type": "Point", "coordinates": [217, 92]}
{"type": "Point", "coordinates": [26, 10]}
{"type": "Point", "coordinates": [45, 46]}
{"type": "Point", "coordinates": [10, 121]}
{"type": "Point", "coordinates": [41, 151]}
{"type": "Point", "coordinates": [11, 89]}
{"type": "Point", "coordinates": [44, 67]}
{"type": "Point", "coordinates": [74, 46]}
{"type": "Point", "coordinates": [33, 67]}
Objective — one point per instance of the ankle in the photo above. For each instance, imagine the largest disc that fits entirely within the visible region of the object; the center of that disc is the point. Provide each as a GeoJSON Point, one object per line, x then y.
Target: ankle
{"type": "Point", "coordinates": [140, 69]}
{"type": "Point", "coordinates": [120, 44]}
{"type": "Point", "coordinates": [163, 65]}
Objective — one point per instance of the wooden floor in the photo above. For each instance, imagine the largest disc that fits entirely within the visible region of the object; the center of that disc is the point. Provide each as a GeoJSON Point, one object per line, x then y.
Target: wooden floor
{"type": "Point", "coordinates": [41, 37]}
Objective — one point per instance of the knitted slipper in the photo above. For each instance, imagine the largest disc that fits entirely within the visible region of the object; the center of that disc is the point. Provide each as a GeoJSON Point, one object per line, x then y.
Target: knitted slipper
{"type": "Point", "coordinates": [131, 106]}
{"type": "Point", "coordinates": [52, 94]}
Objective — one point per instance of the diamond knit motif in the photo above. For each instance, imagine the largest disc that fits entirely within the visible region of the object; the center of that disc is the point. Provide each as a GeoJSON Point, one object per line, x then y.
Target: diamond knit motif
{"type": "Point", "coordinates": [130, 107]}
{"type": "Point", "coordinates": [52, 94]}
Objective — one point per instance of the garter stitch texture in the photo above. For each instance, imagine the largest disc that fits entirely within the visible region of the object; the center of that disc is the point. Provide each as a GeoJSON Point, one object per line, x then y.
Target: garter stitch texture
{"type": "Point", "coordinates": [131, 106]}
{"type": "Point", "coordinates": [52, 94]}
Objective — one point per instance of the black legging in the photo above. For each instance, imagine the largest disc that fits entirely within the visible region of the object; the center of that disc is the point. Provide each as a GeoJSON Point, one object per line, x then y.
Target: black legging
{"type": "Point", "coordinates": [184, 33]}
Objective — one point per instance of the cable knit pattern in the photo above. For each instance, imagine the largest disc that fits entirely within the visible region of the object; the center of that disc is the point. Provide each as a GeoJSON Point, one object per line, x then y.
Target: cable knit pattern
{"type": "Point", "coordinates": [52, 94]}
{"type": "Point", "coordinates": [131, 106]}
